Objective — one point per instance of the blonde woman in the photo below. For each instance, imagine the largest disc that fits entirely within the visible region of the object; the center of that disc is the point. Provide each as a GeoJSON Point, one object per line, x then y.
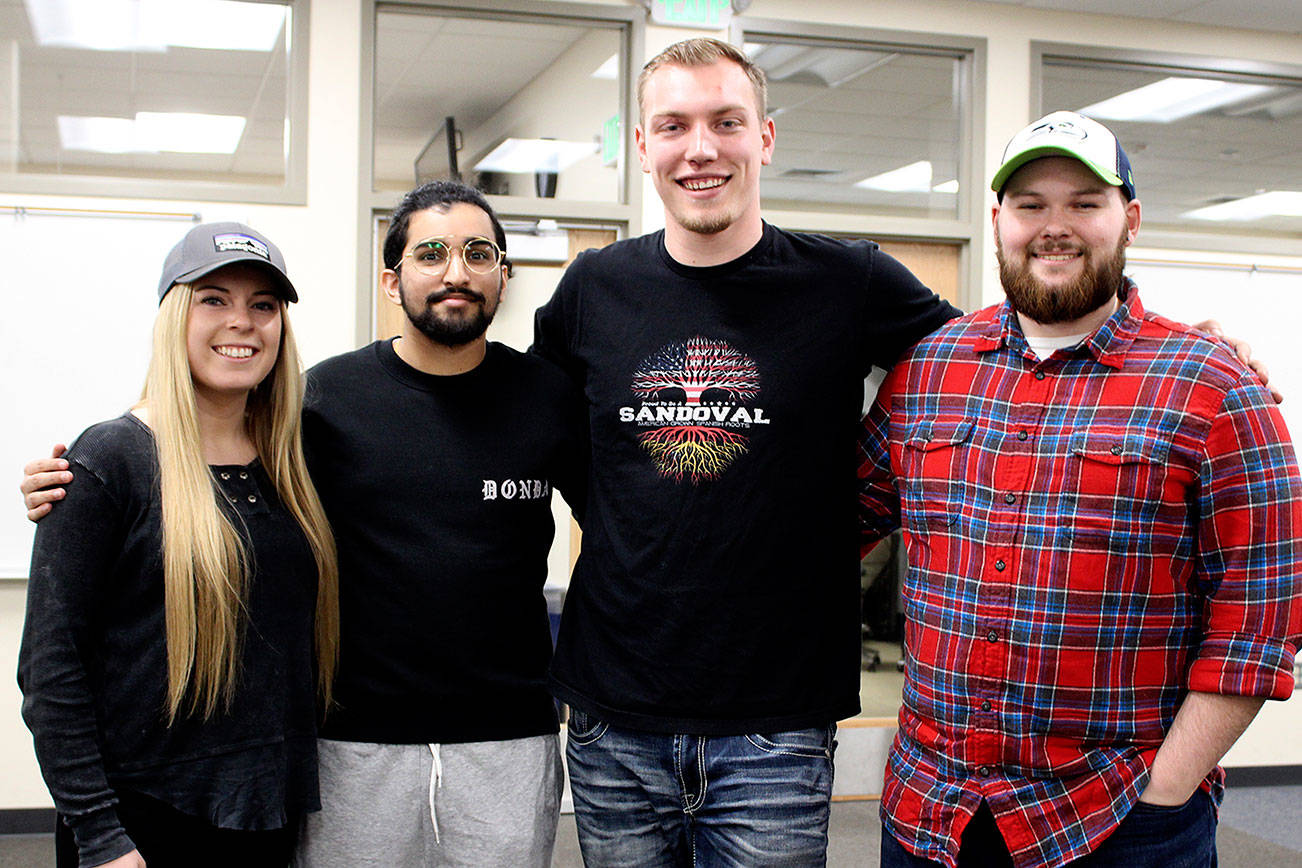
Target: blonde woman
{"type": "Point", "coordinates": [182, 613]}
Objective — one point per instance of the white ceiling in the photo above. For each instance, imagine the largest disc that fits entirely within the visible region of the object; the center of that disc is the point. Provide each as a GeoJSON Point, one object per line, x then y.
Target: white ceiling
{"type": "Point", "coordinates": [67, 81]}
{"type": "Point", "coordinates": [1273, 15]}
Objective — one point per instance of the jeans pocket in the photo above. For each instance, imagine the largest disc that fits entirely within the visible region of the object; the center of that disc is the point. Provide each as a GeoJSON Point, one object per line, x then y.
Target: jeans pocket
{"type": "Point", "coordinates": [813, 743]}
{"type": "Point", "coordinates": [583, 728]}
{"type": "Point", "coordinates": [1160, 810]}
{"type": "Point", "coordinates": [1163, 836]}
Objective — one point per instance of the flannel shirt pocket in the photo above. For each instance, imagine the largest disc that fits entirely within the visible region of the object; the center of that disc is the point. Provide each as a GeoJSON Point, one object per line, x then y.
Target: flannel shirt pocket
{"type": "Point", "coordinates": [934, 452]}
{"type": "Point", "coordinates": [1115, 488]}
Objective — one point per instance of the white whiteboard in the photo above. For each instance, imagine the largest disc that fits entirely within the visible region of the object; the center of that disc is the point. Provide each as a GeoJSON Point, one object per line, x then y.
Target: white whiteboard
{"type": "Point", "coordinates": [1264, 307]}
{"type": "Point", "coordinates": [80, 296]}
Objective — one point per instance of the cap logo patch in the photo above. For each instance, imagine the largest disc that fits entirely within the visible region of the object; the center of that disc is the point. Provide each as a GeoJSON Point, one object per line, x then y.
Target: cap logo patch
{"type": "Point", "coordinates": [236, 242]}
{"type": "Point", "coordinates": [1066, 128]}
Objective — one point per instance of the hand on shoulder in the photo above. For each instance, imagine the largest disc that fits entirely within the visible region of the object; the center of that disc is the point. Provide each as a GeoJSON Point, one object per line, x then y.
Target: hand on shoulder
{"type": "Point", "coordinates": [38, 477]}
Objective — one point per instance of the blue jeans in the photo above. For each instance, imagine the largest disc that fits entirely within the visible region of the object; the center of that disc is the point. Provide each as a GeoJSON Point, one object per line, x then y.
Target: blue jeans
{"type": "Point", "coordinates": [646, 799]}
{"type": "Point", "coordinates": [1150, 836]}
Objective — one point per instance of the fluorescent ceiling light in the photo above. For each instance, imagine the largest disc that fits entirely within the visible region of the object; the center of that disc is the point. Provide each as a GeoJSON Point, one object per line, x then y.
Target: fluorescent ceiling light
{"type": "Point", "coordinates": [190, 133]}
{"type": "Point", "coordinates": [1171, 99]}
{"type": "Point", "coordinates": [1275, 203]}
{"type": "Point", "coordinates": [913, 178]}
{"type": "Point", "coordinates": [1277, 107]}
{"type": "Point", "coordinates": [105, 135]}
{"type": "Point", "coordinates": [608, 70]}
{"type": "Point", "coordinates": [535, 155]}
{"type": "Point", "coordinates": [153, 25]}
{"type": "Point", "coordinates": [946, 187]}
{"type": "Point", "coordinates": [152, 133]}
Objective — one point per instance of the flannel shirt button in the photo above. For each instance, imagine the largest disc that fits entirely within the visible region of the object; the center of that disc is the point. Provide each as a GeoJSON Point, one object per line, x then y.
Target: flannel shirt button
{"type": "Point", "coordinates": [985, 771]}
{"type": "Point", "coordinates": [985, 706]}
{"type": "Point", "coordinates": [1115, 450]}
{"type": "Point", "coordinates": [1000, 565]}
{"type": "Point", "coordinates": [1022, 435]}
{"type": "Point", "coordinates": [992, 636]}
{"type": "Point", "coordinates": [1010, 498]}
{"type": "Point", "coordinates": [1039, 375]}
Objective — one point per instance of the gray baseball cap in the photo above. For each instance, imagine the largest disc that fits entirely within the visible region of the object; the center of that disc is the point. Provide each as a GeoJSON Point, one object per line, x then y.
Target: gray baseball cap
{"type": "Point", "coordinates": [209, 246]}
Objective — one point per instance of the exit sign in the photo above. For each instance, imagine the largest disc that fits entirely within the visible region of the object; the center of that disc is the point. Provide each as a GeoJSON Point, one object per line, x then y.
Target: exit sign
{"type": "Point", "coordinates": [706, 14]}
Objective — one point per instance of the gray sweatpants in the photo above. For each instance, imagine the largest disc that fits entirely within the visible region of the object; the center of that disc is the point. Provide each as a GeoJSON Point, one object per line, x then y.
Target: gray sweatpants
{"type": "Point", "coordinates": [407, 806]}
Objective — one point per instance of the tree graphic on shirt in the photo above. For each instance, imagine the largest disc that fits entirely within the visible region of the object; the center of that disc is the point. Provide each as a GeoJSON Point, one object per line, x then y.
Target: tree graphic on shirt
{"type": "Point", "coordinates": [695, 451]}
{"type": "Point", "coordinates": [696, 367]}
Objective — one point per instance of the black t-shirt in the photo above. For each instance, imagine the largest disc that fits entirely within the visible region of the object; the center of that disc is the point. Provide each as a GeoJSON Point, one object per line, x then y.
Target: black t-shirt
{"type": "Point", "coordinates": [438, 489]}
{"type": "Point", "coordinates": [717, 587]}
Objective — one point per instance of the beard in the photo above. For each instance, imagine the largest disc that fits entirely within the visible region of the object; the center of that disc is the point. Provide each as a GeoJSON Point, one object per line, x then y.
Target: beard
{"type": "Point", "coordinates": [1099, 281]}
{"type": "Point", "coordinates": [451, 331]}
{"type": "Point", "coordinates": [706, 225]}
{"type": "Point", "coordinates": [718, 217]}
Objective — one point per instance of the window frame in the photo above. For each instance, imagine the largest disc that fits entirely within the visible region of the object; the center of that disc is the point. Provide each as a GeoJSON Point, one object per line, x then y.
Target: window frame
{"type": "Point", "coordinates": [626, 212]}
{"type": "Point", "coordinates": [968, 225]}
{"type": "Point", "coordinates": [292, 191]}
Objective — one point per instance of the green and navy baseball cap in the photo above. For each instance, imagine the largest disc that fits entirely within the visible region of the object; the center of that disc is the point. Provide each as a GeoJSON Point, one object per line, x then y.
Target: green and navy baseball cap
{"type": "Point", "coordinates": [1067, 134]}
{"type": "Point", "coordinates": [209, 246]}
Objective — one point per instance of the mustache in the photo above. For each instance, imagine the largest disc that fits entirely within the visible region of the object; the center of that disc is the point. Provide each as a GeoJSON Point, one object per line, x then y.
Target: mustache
{"type": "Point", "coordinates": [464, 292]}
{"type": "Point", "coordinates": [1055, 248]}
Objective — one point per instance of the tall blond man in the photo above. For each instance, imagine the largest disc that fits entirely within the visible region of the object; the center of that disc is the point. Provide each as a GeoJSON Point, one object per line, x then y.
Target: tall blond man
{"type": "Point", "coordinates": [711, 634]}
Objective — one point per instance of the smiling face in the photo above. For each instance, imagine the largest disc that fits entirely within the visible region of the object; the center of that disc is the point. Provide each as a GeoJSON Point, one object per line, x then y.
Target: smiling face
{"type": "Point", "coordinates": [703, 142]}
{"type": "Point", "coordinates": [455, 307]}
{"type": "Point", "coordinates": [233, 332]}
{"type": "Point", "coordinates": [1061, 234]}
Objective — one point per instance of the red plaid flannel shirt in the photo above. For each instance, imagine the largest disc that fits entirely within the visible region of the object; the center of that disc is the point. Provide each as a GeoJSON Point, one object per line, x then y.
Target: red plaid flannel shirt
{"type": "Point", "coordinates": [1089, 537]}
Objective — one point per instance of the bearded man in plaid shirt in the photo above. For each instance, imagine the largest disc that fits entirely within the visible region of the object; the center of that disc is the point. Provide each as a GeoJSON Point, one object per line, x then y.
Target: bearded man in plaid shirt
{"type": "Point", "coordinates": [1102, 511]}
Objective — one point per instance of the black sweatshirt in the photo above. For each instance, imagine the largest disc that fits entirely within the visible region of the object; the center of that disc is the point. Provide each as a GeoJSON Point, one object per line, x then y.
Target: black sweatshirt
{"type": "Point", "coordinates": [93, 662]}
{"type": "Point", "coordinates": [439, 489]}
{"type": "Point", "coordinates": [717, 589]}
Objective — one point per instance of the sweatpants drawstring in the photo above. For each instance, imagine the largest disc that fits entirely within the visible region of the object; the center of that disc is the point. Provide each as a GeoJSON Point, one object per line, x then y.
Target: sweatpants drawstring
{"type": "Point", "coordinates": [435, 782]}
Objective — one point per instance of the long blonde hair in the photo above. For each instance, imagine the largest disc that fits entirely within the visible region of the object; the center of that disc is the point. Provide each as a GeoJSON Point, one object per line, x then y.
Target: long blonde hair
{"type": "Point", "coordinates": [205, 565]}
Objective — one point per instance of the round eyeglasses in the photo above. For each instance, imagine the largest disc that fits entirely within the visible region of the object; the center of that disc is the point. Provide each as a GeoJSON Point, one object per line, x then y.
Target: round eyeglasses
{"type": "Point", "coordinates": [432, 255]}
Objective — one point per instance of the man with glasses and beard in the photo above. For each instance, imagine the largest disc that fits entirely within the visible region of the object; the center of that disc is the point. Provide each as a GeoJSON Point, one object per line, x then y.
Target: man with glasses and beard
{"type": "Point", "coordinates": [435, 455]}
{"type": "Point", "coordinates": [1102, 511]}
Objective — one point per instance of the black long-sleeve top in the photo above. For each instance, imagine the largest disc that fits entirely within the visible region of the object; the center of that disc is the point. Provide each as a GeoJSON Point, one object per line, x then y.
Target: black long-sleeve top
{"type": "Point", "coordinates": [93, 662]}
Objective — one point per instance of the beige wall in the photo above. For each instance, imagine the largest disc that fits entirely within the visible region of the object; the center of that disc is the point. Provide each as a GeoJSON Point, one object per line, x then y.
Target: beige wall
{"type": "Point", "coordinates": [325, 244]}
